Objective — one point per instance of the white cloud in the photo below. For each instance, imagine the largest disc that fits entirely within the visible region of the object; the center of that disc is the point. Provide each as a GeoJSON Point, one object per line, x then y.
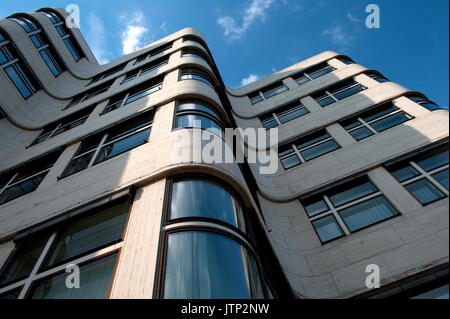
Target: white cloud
{"type": "Point", "coordinates": [256, 10]}
{"type": "Point", "coordinates": [353, 19]}
{"type": "Point", "coordinates": [250, 79]}
{"type": "Point", "coordinates": [338, 37]}
{"type": "Point", "coordinates": [163, 27]}
{"type": "Point", "coordinates": [134, 33]}
{"type": "Point", "coordinates": [96, 37]}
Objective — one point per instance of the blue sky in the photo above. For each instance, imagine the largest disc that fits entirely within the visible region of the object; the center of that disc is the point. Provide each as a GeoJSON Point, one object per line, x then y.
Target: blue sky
{"type": "Point", "coordinates": [251, 39]}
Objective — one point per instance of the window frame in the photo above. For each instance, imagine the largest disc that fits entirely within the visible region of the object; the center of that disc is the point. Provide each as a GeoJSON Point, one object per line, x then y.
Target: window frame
{"type": "Point", "coordinates": [307, 73]}
{"type": "Point", "coordinates": [281, 112]}
{"type": "Point", "coordinates": [145, 69]}
{"type": "Point", "coordinates": [260, 94]}
{"type": "Point", "coordinates": [159, 49]}
{"type": "Point", "coordinates": [335, 89]}
{"type": "Point", "coordinates": [204, 77]}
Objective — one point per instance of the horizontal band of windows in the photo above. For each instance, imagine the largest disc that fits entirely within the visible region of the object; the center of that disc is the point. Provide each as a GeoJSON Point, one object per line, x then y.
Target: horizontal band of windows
{"type": "Point", "coordinates": [154, 65]}
{"type": "Point", "coordinates": [337, 92]}
{"type": "Point", "coordinates": [79, 98]}
{"type": "Point", "coordinates": [283, 115]}
{"type": "Point", "coordinates": [154, 52]}
{"type": "Point", "coordinates": [194, 74]}
{"type": "Point", "coordinates": [267, 92]}
{"type": "Point", "coordinates": [108, 73]}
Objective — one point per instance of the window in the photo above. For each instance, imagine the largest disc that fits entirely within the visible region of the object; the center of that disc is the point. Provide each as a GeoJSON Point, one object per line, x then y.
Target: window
{"type": "Point", "coordinates": [66, 35]}
{"type": "Point", "coordinates": [16, 69]}
{"type": "Point", "coordinates": [267, 92]}
{"type": "Point", "coordinates": [189, 112]}
{"type": "Point", "coordinates": [107, 144]}
{"type": "Point", "coordinates": [313, 73]}
{"type": "Point", "coordinates": [424, 102]}
{"type": "Point", "coordinates": [154, 52]}
{"type": "Point", "coordinates": [135, 93]}
{"type": "Point", "coordinates": [146, 69]}
{"type": "Point", "coordinates": [337, 92]}
{"type": "Point", "coordinates": [347, 208]}
{"type": "Point", "coordinates": [205, 199]}
{"type": "Point", "coordinates": [64, 125]}
{"type": "Point", "coordinates": [194, 53]}
{"type": "Point", "coordinates": [194, 39]}
{"type": "Point", "coordinates": [231, 270]}
{"type": "Point", "coordinates": [377, 77]}
{"type": "Point", "coordinates": [346, 60]}
{"type": "Point", "coordinates": [306, 148]}
{"type": "Point", "coordinates": [86, 95]}
{"type": "Point", "coordinates": [374, 121]}
{"type": "Point", "coordinates": [195, 74]}
{"type": "Point", "coordinates": [42, 44]}
{"type": "Point", "coordinates": [283, 115]}
{"type": "Point", "coordinates": [108, 73]}
{"type": "Point", "coordinates": [425, 176]}
{"type": "Point", "coordinates": [91, 240]}
{"type": "Point", "coordinates": [26, 178]}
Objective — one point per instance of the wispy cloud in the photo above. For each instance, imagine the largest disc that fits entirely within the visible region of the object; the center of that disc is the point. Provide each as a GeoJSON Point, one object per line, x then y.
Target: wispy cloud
{"type": "Point", "coordinates": [163, 27]}
{"type": "Point", "coordinates": [96, 37]}
{"type": "Point", "coordinates": [250, 79]}
{"type": "Point", "coordinates": [338, 37]}
{"type": "Point", "coordinates": [135, 31]}
{"type": "Point", "coordinates": [352, 18]}
{"type": "Point", "coordinates": [256, 10]}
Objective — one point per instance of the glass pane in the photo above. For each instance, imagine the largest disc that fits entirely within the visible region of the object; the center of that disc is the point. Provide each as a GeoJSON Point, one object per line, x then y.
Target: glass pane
{"type": "Point", "coordinates": [36, 41]}
{"type": "Point", "coordinates": [256, 99]}
{"type": "Point", "coordinates": [25, 76]}
{"type": "Point", "coordinates": [367, 213]}
{"type": "Point", "coordinates": [378, 112]}
{"type": "Point", "coordinates": [95, 281]}
{"type": "Point", "coordinates": [315, 206]}
{"type": "Point", "coordinates": [60, 31]}
{"type": "Point", "coordinates": [105, 226]}
{"type": "Point", "coordinates": [351, 91]}
{"type": "Point", "coordinates": [297, 113]}
{"type": "Point", "coordinates": [302, 80]}
{"type": "Point", "coordinates": [424, 191]}
{"type": "Point", "coordinates": [188, 121]}
{"type": "Point", "coordinates": [78, 164]}
{"type": "Point", "coordinates": [319, 150]}
{"type": "Point", "coordinates": [143, 94]}
{"type": "Point", "coordinates": [290, 161]}
{"type": "Point", "coordinates": [437, 293]}
{"type": "Point", "coordinates": [3, 58]}
{"type": "Point", "coordinates": [50, 63]}
{"type": "Point", "coordinates": [326, 101]}
{"type": "Point", "coordinates": [72, 50]}
{"type": "Point", "coordinates": [123, 145]}
{"type": "Point", "coordinates": [24, 259]}
{"type": "Point", "coordinates": [390, 121]}
{"type": "Point", "coordinates": [17, 80]}
{"type": "Point", "coordinates": [22, 188]}
{"type": "Point", "coordinates": [434, 159]}
{"type": "Point", "coordinates": [272, 93]}
{"type": "Point", "coordinates": [430, 106]}
{"type": "Point", "coordinates": [270, 124]}
{"type": "Point", "coordinates": [196, 77]}
{"type": "Point", "coordinates": [197, 107]}
{"type": "Point", "coordinates": [204, 199]}
{"type": "Point", "coordinates": [403, 173]}
{"type": "Point", "coordinates": [442, 177]}
{"type": "Point", "coordinates": [11, 295]}
{"type": "Point", "coordinates": [327, 228]}
{"type": "Point", "coordinates": [69, 126]}
{"type": "Point", "coordinates": [205, 265]}
{"type": "Point", "coordinates": [351, 123]}
{"type": "Point", "coordinates": [321, 72]}
{"type": "Point", "coordinates": [361, 133]}
{"type": "Point", "coordinates": [152, 68]}
{"type": "Point", "coordinates": [357, 191]}
{"type": "Point", "coordinates": [312, 139]}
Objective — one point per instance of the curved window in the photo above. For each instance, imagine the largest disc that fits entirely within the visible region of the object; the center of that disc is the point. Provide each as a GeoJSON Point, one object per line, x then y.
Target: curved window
{"type": "Point", "coordinates": [196, 75]}
{"type": "Point", "coordinates": [198, 198]}
{"type": "Point", "coordinates": [194, 115]}
{"type": "Point", "coordinates": [42, 44]}
{"type": "Point", "coordinates": [206, 265]}
{"type": "Point", "coordinates": [424, 102]}
{"type": "Point", "coordinates": [65, 35]}
{"type": "Point", "coordinates": [14, 66]}
{"type": "Point", "coordinates": [193, 53]}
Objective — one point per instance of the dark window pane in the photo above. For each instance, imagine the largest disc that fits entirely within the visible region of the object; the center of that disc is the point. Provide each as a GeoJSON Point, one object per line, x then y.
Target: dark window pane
{"type": "Point", "coordinates": [187, 121]}
{"type": "Point", "coordinates": [327, 228]}
{"type": "Point", "coordinates": [326, 101]}
{"type": "Point", "coordinates": [403, 173]}
{"type": "Point", "coordinates": [351, 91]}
{"type": "Point", "coordinates": [78, 164]}
{"type": "Point", "coordinates": [197, 107]}
{"type": "Point", "coordinates": [36, 41]}
{"type": "Point", "coordinates": [196, 77]}
{"type": "Point", "coordinates": [22, 188]}
{"type": "Point", "coordinates": [312, 139]}
{"type": "Point", "coordinates": [290, 161]}
{"type": "Point", "coordinates": [434, 159]}
{"type": "Point", "coordinates": [3, 58]}
{"type": "Point", "coordinates": [378, 112]}
{"type": "Point", "coordinates": [70, 126]}
{"type": "Point", "coordinates": [430, 106]}
{"type": "Point", "coordinates": [50, 63]}
{"type": "Point", "coordinates": [302, 80]}
{"type": "Point", "coordinates": [361, 133]}
{"type": "Point", "coordinates": [270, 124]}
{"type": "Point", "coordinates": [72, 50]}
{"type": "Point", "coordinates": [319, 150]}
{"type": "Point", "coordinates": [390, 121]}
{"type": "Point", "coordinates": [25, 77]}
{"type": "Point", "coordinates": [291, 116]}
{"type": "Point", "coordinates": [91, 232]}
{"type": "Point", "coordinates": [437, 293]}
{"type": "Point", "coordinates": [442, 177]}
{"type": "Point", "coordinates": [350, 123]}
{"type": "Point", "coordinates": [24, 259]}
{"type": "Point", "coordinates": [204, 199]}
{"type": "Point", "coordinates": [352, 193]}
{"type": "Point", "coordinates": [274, 92]}
{"type": "Point", "coordinates": [256, 99]}
{"type": "Point", "coordinates": [11, 295]}
{"type": "Point", "coordinates": [95, 281]}
{"type": "Point", "coordinates": [123, 145]}
{"type": "Point", "coordinates": [60, 31]}
{"type": "Point", "coordinates": [321, 72]}
{"type": "Point", "coordinates": [143, 94]}
{"type": "Point", "coordinates": [205, 265]}
{"type": "Point", "coordinates": [367, 213]}
{"type": "Point", "coordinates": [424, 191]}
{"type": "Point", "coordinates": [17, 80]}
{"type": "Point", "coordinates": [315, 206]}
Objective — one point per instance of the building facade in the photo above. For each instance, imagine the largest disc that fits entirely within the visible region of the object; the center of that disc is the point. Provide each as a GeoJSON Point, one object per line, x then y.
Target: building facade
{"type": "Point", "coordinates": [90, 180]}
